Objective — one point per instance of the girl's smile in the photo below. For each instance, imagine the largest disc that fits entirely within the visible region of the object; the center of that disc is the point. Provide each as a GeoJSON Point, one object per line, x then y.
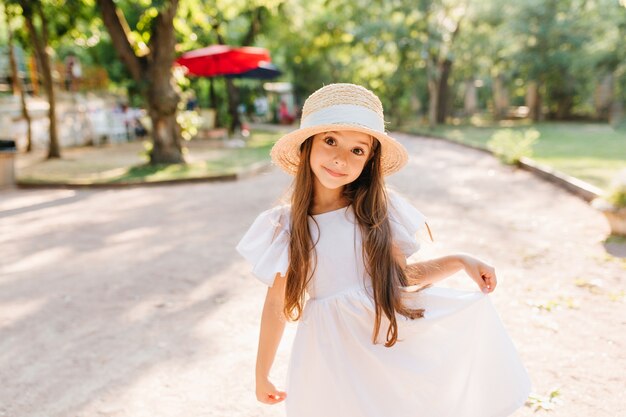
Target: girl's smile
{"type": "Point", "coordinates": [333, 173]}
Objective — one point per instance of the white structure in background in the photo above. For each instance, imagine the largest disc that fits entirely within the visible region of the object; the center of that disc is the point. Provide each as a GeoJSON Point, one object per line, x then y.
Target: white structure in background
{"type": "Point", "coordinates": [82, 120]}
{"type": "Point", "coordinates": [115, 126]}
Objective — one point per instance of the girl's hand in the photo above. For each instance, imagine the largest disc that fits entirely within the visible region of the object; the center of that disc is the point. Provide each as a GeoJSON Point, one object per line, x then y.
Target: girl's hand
{"type": "Point", "coordinates": [483, 274]}
{"type": "Point", "coordinates": [267, 393]}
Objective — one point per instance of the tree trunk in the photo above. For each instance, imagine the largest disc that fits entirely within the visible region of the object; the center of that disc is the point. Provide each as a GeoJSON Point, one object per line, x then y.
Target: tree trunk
{"type": "Point", "coordinates": [213, 104]}
{"type": "Point", "coordinates": [442, 90]}
{"type": "Point", "coordinates": [39, 47]}
{"type": "Point", "coordinates": [563, 95]}
{"type": "Point", "coordinates": [500, 98]}
{"type": "Point", "coordinates": [470, 100]}
{"type": "Point", "coordinates": [233, 103]}
{"type": "Point", "coordinates": [18, 88]}
{"type": "Point", "coordinates": [433, 103]}
{"type": "Point", "coordinates": [438, 73]}
{"type": "Point", "coordinates": [34, 76]}
{"type": "Point", "coordinates": [603, 96]}
{"type": "Point", "coordinates": [256, 21]}
{"type": "Point", "coordinates": [616, 118]}
{"type": "Point", "coordinates": [533, 101]}
{"type": "Point", "coordinates": [564, 108]}
{"type": "Point", "coordinates": [162, 100]}
{"type": "Point", "coordinates": [153, 73]}
{"type": "Point", "coordinates": [439, 66]}
{"type": "Point", "coordinates": [164, 128]}
{"type": "Point", "coordinates": [162, 93]}
{"type": "Point", "coordinates": [232, 93]}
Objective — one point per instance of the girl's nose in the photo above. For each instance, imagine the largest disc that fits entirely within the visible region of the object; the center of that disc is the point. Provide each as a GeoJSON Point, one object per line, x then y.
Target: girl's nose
{"type": "Point", "coordinates": [340, 160]}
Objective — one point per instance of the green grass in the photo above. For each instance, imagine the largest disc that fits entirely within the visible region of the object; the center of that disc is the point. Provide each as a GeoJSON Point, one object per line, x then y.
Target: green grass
{"type": "Point", "coordinates": [593, 152]}
{"type": "Point", "coordinates": [126, 163]}
{"type": "Point", "coordinates": [224, 162]}
{"type": "Point", "coordinates": [227, 162]}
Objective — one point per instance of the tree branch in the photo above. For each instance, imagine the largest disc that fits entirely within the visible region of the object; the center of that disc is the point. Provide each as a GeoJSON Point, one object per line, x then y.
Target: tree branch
{"type": "Point", "coordinates": [117, 27]}
{"type": "Point", "coordinates": [28, 13]}
{"type": "Point", "coordinates": [255, 27]}
{"type": "Point", "coordinates": [162, 39]}
{"type": "Point", "coordinates": [216, 28]}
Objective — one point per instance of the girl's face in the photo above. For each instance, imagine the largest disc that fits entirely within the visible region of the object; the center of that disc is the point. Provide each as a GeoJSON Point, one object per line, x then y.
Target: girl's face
{"type": "Point", "coordinates": [337, 158]}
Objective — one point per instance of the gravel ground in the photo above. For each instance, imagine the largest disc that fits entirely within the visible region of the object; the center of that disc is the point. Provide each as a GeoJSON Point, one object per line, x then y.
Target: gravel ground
{"type": "Point", "coordinates": [133, 302]}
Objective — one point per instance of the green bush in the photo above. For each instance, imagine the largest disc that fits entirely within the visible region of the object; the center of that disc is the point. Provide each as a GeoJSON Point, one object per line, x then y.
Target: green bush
{"type": "Point", "coordinates": [510, 145]}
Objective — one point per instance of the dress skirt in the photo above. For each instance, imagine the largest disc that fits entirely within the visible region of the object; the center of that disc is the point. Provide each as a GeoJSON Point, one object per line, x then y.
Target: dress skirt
{"type": "Point", "coordinates": [456, 361]}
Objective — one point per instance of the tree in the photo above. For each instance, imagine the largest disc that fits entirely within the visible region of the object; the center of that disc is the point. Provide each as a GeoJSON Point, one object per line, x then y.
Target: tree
{"type": "Point", "coordinates": [255, 23]}
{"type": "Point", "coordinates": [151, 68]}
{"type": "Point", "coordinates": [607, 60]}
{"type": "Point", "coordinates": [228, 23]}
{"type": "Point", "coordinates": [348, 41]}
{"type": "Point", "coordinates": [18, 88]}
{"type": "Point", "coordinates": [443, 29]}
{"type": "Point", "coordinates": [482, 67]}
{"type": "Point", "coordinates": [39, 35]}
{"type": "Point", "coordinates": [551, 35]}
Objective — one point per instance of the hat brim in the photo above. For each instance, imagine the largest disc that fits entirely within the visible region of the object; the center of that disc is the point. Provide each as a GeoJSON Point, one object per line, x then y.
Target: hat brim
{"type": "Point", "coordinates": [286, 151]}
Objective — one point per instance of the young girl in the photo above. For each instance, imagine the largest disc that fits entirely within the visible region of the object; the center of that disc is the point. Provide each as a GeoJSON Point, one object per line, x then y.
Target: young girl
{"type": "Point", "coordinates": [375, 338]}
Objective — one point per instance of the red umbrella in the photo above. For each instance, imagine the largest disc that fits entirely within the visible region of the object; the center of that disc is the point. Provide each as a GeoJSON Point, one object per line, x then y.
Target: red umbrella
{"type": "Point", "coordinates": [218, 60]}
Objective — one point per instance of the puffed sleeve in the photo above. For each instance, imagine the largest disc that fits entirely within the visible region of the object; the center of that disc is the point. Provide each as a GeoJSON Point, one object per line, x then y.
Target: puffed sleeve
{"type": "Point", "coordinates": [408, 225]}
{"type": "Point", "coordinates": [266, 244]}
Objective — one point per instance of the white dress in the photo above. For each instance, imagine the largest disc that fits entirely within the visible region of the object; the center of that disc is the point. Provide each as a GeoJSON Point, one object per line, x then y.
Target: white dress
{"type": "Point", "coordinates": [456, 361]}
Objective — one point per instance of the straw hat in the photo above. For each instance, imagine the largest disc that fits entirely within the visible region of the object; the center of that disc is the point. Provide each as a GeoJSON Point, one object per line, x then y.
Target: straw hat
{"type": "Point", "coordinates": [340, 107]}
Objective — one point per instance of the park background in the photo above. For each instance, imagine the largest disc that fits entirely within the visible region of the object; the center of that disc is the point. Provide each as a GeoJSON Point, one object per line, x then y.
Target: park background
{"type": "Point", "coordinates": [461, 70]}
{"type": "Point", "coordinates": [540, 85]}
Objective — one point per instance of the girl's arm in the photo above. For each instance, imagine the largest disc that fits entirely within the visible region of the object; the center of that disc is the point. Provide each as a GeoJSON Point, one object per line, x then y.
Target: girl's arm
{"type": "Point", "coordinates": [272, 329]}
{"type": "Point", "coordinates": [434, 270]}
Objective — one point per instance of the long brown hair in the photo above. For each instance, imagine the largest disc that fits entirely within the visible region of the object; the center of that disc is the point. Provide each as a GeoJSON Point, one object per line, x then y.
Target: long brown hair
{"type": "Point", "coordinates": [368, 197]}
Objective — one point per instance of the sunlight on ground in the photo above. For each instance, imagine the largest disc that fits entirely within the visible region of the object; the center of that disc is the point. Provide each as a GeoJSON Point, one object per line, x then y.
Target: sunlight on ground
{"type": "Point", "coordinates": [11, 313]}
{"type": "Point", "coordinates": [33, 199]}
{"type": "Point", "coordinates": [132, 234]}
{"type": "Point", "coordinates": [38, 259]}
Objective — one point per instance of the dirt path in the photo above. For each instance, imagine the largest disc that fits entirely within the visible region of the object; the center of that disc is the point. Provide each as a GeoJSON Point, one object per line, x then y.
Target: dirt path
{"type": "Point", "coordinates": [133, 302]}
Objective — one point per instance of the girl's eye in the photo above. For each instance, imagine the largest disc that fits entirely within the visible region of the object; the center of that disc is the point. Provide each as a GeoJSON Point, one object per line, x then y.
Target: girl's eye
{"type": "Point", "coordinates": [329, 139]}
{"type": "Point", "coordinates": [359, 151]}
